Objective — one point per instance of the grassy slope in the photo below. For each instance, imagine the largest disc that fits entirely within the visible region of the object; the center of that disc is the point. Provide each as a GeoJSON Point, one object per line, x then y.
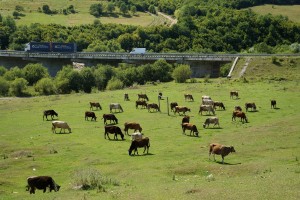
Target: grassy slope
{"type": "Point", "coordinates": [292, 12]}
{"type": "Point", "coordinates": [266, 165]}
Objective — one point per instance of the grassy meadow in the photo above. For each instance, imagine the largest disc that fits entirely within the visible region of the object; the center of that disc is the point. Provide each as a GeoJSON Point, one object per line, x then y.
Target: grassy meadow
{"type": "Point", "coordinates": [265, 166]}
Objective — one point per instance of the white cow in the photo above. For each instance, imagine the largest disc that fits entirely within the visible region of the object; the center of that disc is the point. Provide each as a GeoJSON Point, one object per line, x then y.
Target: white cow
{"type": "Point", "coordinates": [115, 106]}
{"type": "Point", "coordinates": [211, 120]}
{"type": "Point", "coordinates": [61, 125]}
{"type": "Point", "coordinates": [136, 136]}
{"type": "Point", "coordinates": [207, 102]}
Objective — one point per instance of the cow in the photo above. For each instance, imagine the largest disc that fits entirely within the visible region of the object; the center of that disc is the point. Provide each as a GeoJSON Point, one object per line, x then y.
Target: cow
{"type": "Point", "coordinates": [95, 104]}
{"type": "Point", "coordinates": [191, 127]}
{"type": "Point", "coordinates": [90, 114]}
{"type": "Point", "coordinates": [219, 104]}
{"type": "Point", "coordinates": [273, 103]}
{"type": "Point", "coordinates": [207, 102]}
{"type": "Point", "coordinates": [135, 144]}
{"type": "Point", "coordinates": [182, 109]}
{"type": "Point", "coordinates": [143, 96]}
{"type": "Point", "coordinates": [185, 119]}
{"type": "Point", "coordinates": [132, 125]}
{"type": "Point", "coordinates": [41, 183]}
{"type": "Point", "coordinates": [141, 103]}
{"type": "Point", "coordinates": [126, 97]}
{"type": "Point", "coordinates": [250, 105]}
{"type": "Point", "coordinates": [211, 120]}
{"type": "Point", "coordinates": [61, 125]}
{"type": "Point", "coordinates": [136, 136]}
{"type": "Point", "coordinates": [207, 108]}
{"type": "Point", "coordinates": [239, 114]}
{"type": "Point", "coordinates": [115, 106]}
{"type": "Point", "coordinates": [110, 117]}
{"type": "Point", "coordinates": [173, 105]}
{"type": "Point", "coordinates": [49, 112]}
{"type": "Point", "coordinates": [152, 106]}
{"type": "Point", "coordinates": [234, 93]}
{"type": "Point", "coordinates": [113, 130]}
{"type": "Point", "coordinates": [215, 148]}
{"type": "Point", "coordinates": [238, 108]}
{"type": "Point", "coordinates": [188, 97]}
{"type": "Point", "coordinates": [205, 97]}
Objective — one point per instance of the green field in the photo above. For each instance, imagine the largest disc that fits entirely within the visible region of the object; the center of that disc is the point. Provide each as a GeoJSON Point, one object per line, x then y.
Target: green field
{"type": "Point", "coordinates": [265, 166]}
{"type": "Point", "coordinates": [292, 12]}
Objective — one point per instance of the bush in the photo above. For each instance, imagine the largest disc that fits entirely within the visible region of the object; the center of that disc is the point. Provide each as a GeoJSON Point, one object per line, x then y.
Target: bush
{"type": "Point", "coordinates": [225, 69]}
{"type": "Point", "coordinates": [45, 86]}
{"type": "Point", "coordinates": [35, 72]}
{"type": "Point", "coordinates": [18, 87]}
{"type": "Point", "coordinates": [181, 73]}
{"type": "Point", "coordinates": [4, 86]}
{"type": "Point", "coordinates": [114, 84]}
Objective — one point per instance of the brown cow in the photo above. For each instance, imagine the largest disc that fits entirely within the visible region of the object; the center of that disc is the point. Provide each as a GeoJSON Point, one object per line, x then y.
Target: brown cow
{"type": "Point", "coordinates": [188, 97]}
{"type": "Point", "coordinates": [113, 130]}
{"type": "Point", "coordinates": [132, 125]}
{"type": "Point", "coordinates": [143, 96]}
{"type": "Point", "coordinates": [185, 119]}
{"type": "Point", "coordinates": [250, 105]}
{"type": "Point", "coordinates": [135, 144]}
{"type": "Point", "coordinates": [41, 183]}
{"type": "Point", "coordinates": [237, 108]}
{"type": "Point", "coordinates": [219, 104]}
{"type": "Point", "coordinates": [90, 114]}
{"type": "Point", "coordinates": [191, 127]}
{"type": "Point", "coordinates": [239, 114]}
{"type": "Point", "coordinates": [219, 149]}
{"type": "Point", "coordinates": [152, 106]}
{"type": "Point", "coordinates": [49, 112]}
{"type": "Point", "coordinates": [173, 105]}
{"type": "Point", "coordinates": [141, 103]}
{"type": "Point", "coordinates": [182, 109]}
{"type": "Point", "coordinates": [234, 93]}
{"type": "Point", "coordinates": [95, 104]}
{"type": "Point", "coordinates": [273, 103]}
{"type": "Point", "coordinates": [61, 125]}
{"type": "Point", "coordinates": [110, 117]}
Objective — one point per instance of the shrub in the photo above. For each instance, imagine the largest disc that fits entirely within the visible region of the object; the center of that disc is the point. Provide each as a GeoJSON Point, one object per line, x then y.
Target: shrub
{"type": "Point", "coordinates": [181, 73]}
{"type": "Point", "coordinates": [18, 86]}
{"type": "Point", "coordinates": [35, 72]}
{"type": "Point", "coordinates": [45, 86]}
{"type": "Point", "coordinates": [4, 86]}
{"type": "Point", "coordinates": [224, 70]}
{"type": "Point", "coordinates": [114, 84]}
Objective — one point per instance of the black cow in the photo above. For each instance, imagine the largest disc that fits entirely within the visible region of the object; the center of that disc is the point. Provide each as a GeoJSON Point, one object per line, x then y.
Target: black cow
{"type": "Point", "coordinates": [273, 103]}
{"type": "Point", "coordinates": [113, 130]}
{"type": "Point", "coordinates": [90, 114]}
{"type": "Point", "coordinates": [49, 112]}
{"type": "Point", "coordinates": [135, 144]}
{"type": "Point", "coordinates": [41, 183]}
{"type": "Point", "coordinates": [110, 117]}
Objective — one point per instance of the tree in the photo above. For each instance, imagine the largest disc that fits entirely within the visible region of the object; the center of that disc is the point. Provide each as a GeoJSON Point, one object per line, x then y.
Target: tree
{"type": "Point", "coordinates": [3, 70]}
{"type": "Point", "coordinates": [13, 74]}
{"type": "Point", "coordinates": [114, 84]}
{"type": "Point", "coordinates": [34, 72]}
{"type": "Point", "coordinates": [152, 9]}
{"type": "Point", "coordinates": [123, 8]}
{"type": "Point", "coordinates": [46, 9]}
{"type": "Point", "coordinates": [45, 86]}
{"type": "Point", "coordinates": [181, 73]}
{"type": "Point", "coordinates": [110, 7]}
{"type": "Point", "coordinates": [133, 9]}
{"type": "Point", "coordinates": [18, 86]}
{"type": "Point", "coordinates": [4, 86]}
{"type": "Point", "coordinates": [88, 79]}
{"type": "Point", "coordinates": [96, 9]}
{"type": "Point", "coordinates": [102, 75]}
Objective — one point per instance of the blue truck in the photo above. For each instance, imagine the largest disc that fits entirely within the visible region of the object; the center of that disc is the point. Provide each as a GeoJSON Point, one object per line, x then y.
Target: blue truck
{"type": "Point", "coordinates": [51, 47]}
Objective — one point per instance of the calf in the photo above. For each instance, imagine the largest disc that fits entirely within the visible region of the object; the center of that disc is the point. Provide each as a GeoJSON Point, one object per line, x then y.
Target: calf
{"type": "Point", "coordinates": [135, 144]}
{"type": "Point", "coordinates": [211, 120]}
{"type": "Point", "coordinates": [126, 97]}
{"type": "Point", "coordinates": [173, 105]}
{"type": "Point", "coordinates": [234, 93]}
{"type": "Point", "coordinates": [219, 104]}
{"type": "Point", "coordinates": [41, 183]}
{"type": "Point", "coordinates": [273, 103]}
{"type": "Point", "coordinates": [95, 104]}
{"type": "Point", "coordinates": [113, 130]}
{"type": "Point", "coordinates": [250, 105]}
{"type": "Point", "coordinates": [132, 125]}
{"type": "Point", "coordinates": [90, 114]}
{"type": "Point", "coordinates": [188, 97]}
{"type": "Point", "coordinates": [152, 106]}
{"type": "Point", "coordinates": [61, 125]}
{"type": "Point", "coordinates": [141, 103]}
{"type": "Point", "coordinates": [110, 117]}
{"type": "Point", "coordinates": [191, 127]}
{"type": "Point", "coordinates": [49, 112]}
{"type": "Point", "coordinates": [239, 114]}
{"type": "Point", "coordinates": [143, 96]}
{"type": "Point", "coordinates": [182, 109]}
{"type": "Point", "coordinates": [219, 149]}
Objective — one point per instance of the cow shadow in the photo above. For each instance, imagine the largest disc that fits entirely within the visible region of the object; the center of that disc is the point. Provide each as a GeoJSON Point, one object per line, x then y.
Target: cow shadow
{"type": "Point", "coordinates": [226, 163]}
{"type": "Point", "coordinates": [144, 154]}
{"type": "Point", "coordinates": [212, 128]}
{"type": "Point", "coordinates": [276, 108]}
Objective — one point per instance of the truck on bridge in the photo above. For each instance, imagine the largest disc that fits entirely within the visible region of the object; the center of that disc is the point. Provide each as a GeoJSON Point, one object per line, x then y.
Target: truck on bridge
{"type": "Point", "coordinates": [51, 47]}
{"type": "Point", "coordinates": [138, 51]}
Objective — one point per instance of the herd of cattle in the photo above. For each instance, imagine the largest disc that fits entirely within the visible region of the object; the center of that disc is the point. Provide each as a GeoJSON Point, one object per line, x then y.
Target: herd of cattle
{"type": "Point", "coordinates": [137, 139]}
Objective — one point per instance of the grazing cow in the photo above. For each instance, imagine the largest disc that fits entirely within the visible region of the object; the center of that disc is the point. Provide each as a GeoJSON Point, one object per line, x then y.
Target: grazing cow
{"type": "Point", "coordinates": [273, 103]}
{"type": "Point", "coordinates": [126, 97]}
{"type": "Point", "coordinates": [152, 106]}
{"type": "Point", "coordinates": [207, 108]}
{"type": "Point", "coordinates": [143, 96]}
{"type": "Point", "coordinates": [115, 106]}
{"type": "Point", "coordinates": [211, 120]}
{"type": "Point", "coordinates": [239, 114]}
{"type": "Point", "coordinates": [132, 125]}
{"type": "Point", "coordinates": [207, 102]}
{"type": "Point", "coordinates": [141, 103]}
{"type": "Point", "coordinates": [191, 127]}
{"type": "Point", "coordinates": [182, 109]}
{"type": "Point", "coordinates": [49, 112]}
{"type": "Point", "coordinates": [95, 104]}
{"type": "Point", "coordinates": [205, 97]}
{"type": "Point", "coordinates": [250, 105]}
{"type": "Point", "coordinates": [219, 104]}
{"type": "Point", "coordinates": [61, 125]}
{"type": "Point", "coordinates": [110, 117]}
{"type": "Point", "coordinates": [185, 119]}
{"type": "Point", "coordinates": [238, 108]}
{"type": "Point", "coordinates": [136, 136]}
{"type": "Point", "coordinates": [188, 97]}
{"type": "Point", "coordinates": [90, 114]}
{"type": "Point", "coordinates": [41, 183]}
{"type": "Point", "coordinates": [113, 130]}
{"type": "Point", "coordinates": [135, 144]}
{"type": "Point", "coordinates": [219, 149]}
{"type": "Point", "coordinates": [234, 93]}
{"type": "Point", "coordinates": [173, 105]}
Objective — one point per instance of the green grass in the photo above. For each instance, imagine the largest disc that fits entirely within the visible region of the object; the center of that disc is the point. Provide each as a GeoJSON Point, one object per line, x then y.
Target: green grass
{"type": "Point", "coordinates": [292, 12]}
{"type": "Point", "coordinates": [265, 166]}
{"type": "Point", "coordinates": [82, 17]}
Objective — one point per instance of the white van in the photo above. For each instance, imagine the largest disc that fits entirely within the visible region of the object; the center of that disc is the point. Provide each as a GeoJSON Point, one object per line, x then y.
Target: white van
{"type": "Point", "coordinates": [138, 51]}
